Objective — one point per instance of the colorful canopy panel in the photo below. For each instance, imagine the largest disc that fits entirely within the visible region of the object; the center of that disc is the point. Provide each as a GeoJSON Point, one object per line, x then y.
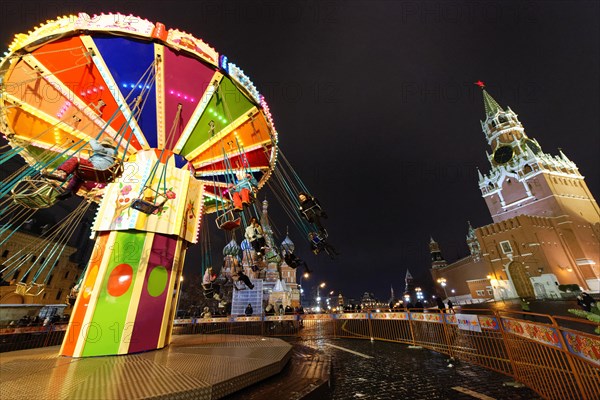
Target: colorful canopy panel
{"type": "Point", "coordinates": [81, 77]}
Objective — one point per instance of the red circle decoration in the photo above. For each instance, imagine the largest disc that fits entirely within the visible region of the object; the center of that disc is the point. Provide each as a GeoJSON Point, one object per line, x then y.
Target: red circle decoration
{"type": "Point", "coordinates": [119, 280]}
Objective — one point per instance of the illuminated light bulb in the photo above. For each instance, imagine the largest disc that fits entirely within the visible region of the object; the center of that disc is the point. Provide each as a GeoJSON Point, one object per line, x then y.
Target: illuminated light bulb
{"type": "Point", "coordinates": [124, 85]}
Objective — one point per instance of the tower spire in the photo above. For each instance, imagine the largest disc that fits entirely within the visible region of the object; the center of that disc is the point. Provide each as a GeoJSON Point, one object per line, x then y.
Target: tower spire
{"type": "Point", "coordinates": [491, 106]}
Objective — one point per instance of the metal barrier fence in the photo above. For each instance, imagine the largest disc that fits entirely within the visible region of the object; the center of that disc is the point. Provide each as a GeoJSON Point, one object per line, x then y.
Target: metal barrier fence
{"type": "Point", "coordinates": [558, 357]}
{"type": "Point", "coordinates": [22, 338]}
{"type": "Point", "coordinates": [558, 362]}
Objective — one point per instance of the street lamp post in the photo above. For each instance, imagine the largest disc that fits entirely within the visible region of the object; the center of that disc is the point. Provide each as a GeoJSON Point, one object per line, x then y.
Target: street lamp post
{"type": "Point", "coordinates": [304, 275]}
{"type": "Point", "coordinates": [442, 281]}
{"type": "Point", "coordinates": [419, 293]}
{"type": "Point", "coordinates": [321, 285]}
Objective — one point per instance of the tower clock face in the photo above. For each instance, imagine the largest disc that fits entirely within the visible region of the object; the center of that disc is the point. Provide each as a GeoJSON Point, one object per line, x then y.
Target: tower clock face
{"type": "Point", "coordinates": [533, 146]}
{"type": "Point", "coordinates": [503, 154]}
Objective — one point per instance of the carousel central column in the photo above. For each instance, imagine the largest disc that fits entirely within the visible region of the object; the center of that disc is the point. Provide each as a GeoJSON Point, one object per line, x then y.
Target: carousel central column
{"type": "Point", "coordinates": [128, 297]}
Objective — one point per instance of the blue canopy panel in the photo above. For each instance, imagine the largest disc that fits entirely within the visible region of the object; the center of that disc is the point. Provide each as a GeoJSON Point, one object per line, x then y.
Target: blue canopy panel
{"type": "Point", "coordinates": [128, 59]}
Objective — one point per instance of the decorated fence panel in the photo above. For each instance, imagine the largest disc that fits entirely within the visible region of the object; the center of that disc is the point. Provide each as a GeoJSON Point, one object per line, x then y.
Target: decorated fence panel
{"type": "Point", "coordinates": [317, 326]}
{"type": "Point", "coordinates": [393, 326]}
{"type": "Point", "coordinates": [543, 361]}
{"type": "Point", "coordinates": [429, 331]}
{"type": "Point", "coordinates": [478, 339]}
{"type": "Point", "coordinates": [352, 325]}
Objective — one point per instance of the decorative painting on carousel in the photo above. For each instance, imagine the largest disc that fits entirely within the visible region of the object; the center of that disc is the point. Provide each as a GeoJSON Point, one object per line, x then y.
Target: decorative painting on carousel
{"type": "Point", "coordinates": [539, 333]}
{"type": "Point", "coordinates": [173, 195]}
{"type": "Point", "coordinates": [396, 315]}
{"type": "Point", "coordinates": [584, 346]}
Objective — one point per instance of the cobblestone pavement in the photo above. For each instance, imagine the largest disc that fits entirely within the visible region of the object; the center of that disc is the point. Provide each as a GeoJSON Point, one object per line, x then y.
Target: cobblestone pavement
{"type": "Point", "coordinates": [399, 372]}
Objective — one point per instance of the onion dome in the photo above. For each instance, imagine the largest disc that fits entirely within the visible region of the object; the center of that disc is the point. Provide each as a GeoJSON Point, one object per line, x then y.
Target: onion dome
{"type": "Point", "coordinates": [231, 249]}
{"type": "Point", "coordinates": [287, 245]}
{"type": "Point", "coordinates": [246, 245]}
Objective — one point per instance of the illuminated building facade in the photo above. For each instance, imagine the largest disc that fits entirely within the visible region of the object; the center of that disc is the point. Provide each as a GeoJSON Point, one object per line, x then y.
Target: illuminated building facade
{"type": "Point", "coordinates": [546, 223]}
{"type": "Point", "coordinates": [59, 278]}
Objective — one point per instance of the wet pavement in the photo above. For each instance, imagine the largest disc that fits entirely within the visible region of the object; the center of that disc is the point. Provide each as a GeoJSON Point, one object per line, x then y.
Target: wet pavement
{"type": "Point", "coordinates": [396, 371]}
{"type": "Point", "coordinates": [392, 371]}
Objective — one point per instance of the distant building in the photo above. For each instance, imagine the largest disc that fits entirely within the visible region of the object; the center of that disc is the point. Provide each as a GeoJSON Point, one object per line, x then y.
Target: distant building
{"type": "Point", "coordinates": [546, 223]}
{"type": "Point", "coordinates": [368, 301]}
{"type": "Point", "coordinates": [409, 288]}
{"type": "Point", "coordinates": [59, 277]}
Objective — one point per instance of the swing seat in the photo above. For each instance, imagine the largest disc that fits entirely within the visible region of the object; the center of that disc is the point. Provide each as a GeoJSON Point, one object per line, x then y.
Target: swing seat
{"type": "Point", "coordinates": [209, 292]}
{"type": "Point", "coordinates": [315, 209]}
{"type": "Point", "coordinates": [90, 174]}
{"type": "Point", "coordinates": [35, 194]}
{"type": "Point", "coordinates": [149, 202]}
{"type": "Point", "coordinates": [228, 221]}
{"type": "Point", "coordinates": [30, 289]}
{"type": "Point", "coordinates": [147, 207]}
{"type": "Point", "coordinates": [236, 287]}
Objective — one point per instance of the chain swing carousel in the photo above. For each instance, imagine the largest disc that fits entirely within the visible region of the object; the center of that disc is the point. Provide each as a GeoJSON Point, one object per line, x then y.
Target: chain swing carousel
{"type": "Point", "coordinates": [173, 106]}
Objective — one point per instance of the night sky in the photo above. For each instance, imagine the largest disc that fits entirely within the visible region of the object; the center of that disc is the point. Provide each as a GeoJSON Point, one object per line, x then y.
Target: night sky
{"type": "Point", "coordinates": [376, 108]}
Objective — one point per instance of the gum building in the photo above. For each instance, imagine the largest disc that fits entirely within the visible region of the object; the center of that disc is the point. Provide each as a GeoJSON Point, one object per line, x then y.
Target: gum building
{"type": "Point", "coordinates": [545, 226]}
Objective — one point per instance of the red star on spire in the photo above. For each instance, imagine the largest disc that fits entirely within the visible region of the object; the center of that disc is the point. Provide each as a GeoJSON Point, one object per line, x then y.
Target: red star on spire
{"type": "Point", "coordinates": [480, 84]}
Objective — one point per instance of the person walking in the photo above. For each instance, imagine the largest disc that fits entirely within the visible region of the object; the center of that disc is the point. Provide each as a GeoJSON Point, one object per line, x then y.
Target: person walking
{"type": "Point", "coordinates": [440, 304]}
{"type": "Point", "coordinates": [526, 308]}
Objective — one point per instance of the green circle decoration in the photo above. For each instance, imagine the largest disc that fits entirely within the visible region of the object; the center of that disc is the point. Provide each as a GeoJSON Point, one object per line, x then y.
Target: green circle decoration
{"type": "Point", "coordinates": [157, 281]}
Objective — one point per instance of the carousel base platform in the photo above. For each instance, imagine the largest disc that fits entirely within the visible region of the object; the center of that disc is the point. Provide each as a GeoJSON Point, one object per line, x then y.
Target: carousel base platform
{"type": "Point", "coordinates": [191, 367]}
